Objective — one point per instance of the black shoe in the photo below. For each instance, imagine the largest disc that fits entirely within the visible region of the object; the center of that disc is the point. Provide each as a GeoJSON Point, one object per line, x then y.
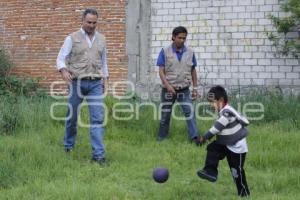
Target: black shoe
{"type": "Point", "coordinates": [196, 140]}
{"type": "Point", "coordinates": [68, 150]}
{"type": "Point", "coordinates": [161, 138]}
{"type": "Point", "coordinates": [204, 175]}
{"type": "Point", "coordinates": [100, 161]}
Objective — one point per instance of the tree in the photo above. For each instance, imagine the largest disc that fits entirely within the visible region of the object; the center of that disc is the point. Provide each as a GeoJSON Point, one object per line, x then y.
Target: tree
{"type": "Point", "coordinates": [287, 38]}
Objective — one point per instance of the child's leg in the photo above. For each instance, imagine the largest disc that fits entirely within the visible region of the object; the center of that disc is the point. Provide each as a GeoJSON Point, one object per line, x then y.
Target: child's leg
{"type": "Point", "coordinates": [236, 164]}
{"type": "Point", "coordinates": [215, 152]}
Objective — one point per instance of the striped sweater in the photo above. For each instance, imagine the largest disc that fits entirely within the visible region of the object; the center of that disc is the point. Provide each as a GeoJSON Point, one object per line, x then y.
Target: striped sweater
{"type": "Point", "coordinates": [229, 128]}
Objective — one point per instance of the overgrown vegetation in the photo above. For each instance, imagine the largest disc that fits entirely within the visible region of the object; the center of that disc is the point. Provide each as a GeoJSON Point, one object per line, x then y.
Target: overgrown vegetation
{"type": "Point", "coordinates": [13, 85]}
{"type": "Point", "coordinates": [34, 166]}
{"type": "Point", "coordinates": [12, 89]}
{"type": "Point", "coordinates": [287, 38]}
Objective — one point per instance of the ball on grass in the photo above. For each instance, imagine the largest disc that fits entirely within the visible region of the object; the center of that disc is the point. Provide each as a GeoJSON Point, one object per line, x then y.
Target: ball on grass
{"type": "Point", "coordinates": [160, 174]}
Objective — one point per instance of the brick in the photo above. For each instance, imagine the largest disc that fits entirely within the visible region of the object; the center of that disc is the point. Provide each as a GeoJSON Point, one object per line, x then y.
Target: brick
{"type": "Point", "coordinates": [258, 2]}
{"type": "Point", "coordinates": [258, 68]}
{"type": "Point", "coordinates": [257, 81]}
{"type": "Point", "coordinates": [231, 82]}
{"type": "Point", "coordinates": [250, 61]}
{"type": "Point", "coordinates": [266, 8]}
{"type": "Point", "coordinates": [273, 2]}
{"type": "Point", "coordinates": [245, 82]}
{"type": "Point", "coordinates": [296, 68]}
{"type": "Point", "coordinates": [225, 9]}
{"type": "Point", "coordinates": [264, 22]}
{"type": "Point", "coordinates": [285, 82]}
{"type": "Point", "coordinates": [296, 82]}
{"type": "Point", "coordinates": [272, 68]}
{"type": "Point", "coordinates": [251, 75]}
{"type": "Point", "coordinates": [278, 75]}
{"type": "Point", "coordinates": [278, 62]}
{"type": "Point", "coordinates": [245, 68]}
{"type": "Point", "coordinates": [285, 68]}
{"type": "Point", "coordinates": [264, 75]}
{"type": "Point", "coordinates": [231, 15]}
{"type": "Point", "coordinates": [168, 5]}
{"type": "Point", "coordinates": [245, 55]}
{"type": "Point", "coordinates": [271, 82]}
{"type": "Point", "coordinates": [264, 61]}
{"type": "Point", "coordinates": [258, 55]}
{"type": "Point", "coordinates": [180, 5]}
{"type": "Point", "coordinates": [292, 62]}
{"type": "Point", "coordinates": [292, 75]}
{"type": "Point", "coordinates": [239, 9]}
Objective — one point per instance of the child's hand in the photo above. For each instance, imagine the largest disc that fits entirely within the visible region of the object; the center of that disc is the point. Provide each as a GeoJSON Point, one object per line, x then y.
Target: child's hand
{"type": "Point", "coordinates": [201, 140]}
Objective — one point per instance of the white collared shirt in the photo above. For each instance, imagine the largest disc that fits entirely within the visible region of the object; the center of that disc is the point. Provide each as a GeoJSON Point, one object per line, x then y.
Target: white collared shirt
{"type": "Point", "coordinates": [66, 50]}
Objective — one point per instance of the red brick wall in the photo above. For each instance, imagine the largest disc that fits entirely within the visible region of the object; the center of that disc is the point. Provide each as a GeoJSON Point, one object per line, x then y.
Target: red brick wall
{"type": "Point", "coordinates": [34, 30]}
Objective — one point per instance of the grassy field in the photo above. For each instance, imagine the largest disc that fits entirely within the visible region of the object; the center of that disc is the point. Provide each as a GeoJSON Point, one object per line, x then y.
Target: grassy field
{"type": "Point", "coordinates": [33, 164]}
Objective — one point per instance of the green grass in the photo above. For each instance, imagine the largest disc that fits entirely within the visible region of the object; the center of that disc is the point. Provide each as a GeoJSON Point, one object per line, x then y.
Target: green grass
{"type": "Point", "coordinates": [33, 164]}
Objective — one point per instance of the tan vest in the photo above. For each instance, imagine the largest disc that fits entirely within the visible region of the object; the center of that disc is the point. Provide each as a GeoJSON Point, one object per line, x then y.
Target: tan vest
{"type": "Point", "coordinates": [85, 61]}
{"type": "Point", "coordinates": [178, 73]}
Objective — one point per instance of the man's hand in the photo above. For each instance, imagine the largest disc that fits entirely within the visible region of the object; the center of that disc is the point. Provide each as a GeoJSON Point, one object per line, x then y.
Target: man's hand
{"type": "Point", "coordinates": [194, 94]}
{"type": "Point", "coordinates": [171, 89]}
{"type": "Point", "coordinates": [66, 75]}
{"type": "Point", "coordinates": [105, 85]}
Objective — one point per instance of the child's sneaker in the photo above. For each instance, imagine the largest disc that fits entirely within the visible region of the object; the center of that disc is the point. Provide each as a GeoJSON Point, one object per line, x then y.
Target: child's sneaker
{"type": "Point", "coordinates": [204, 175]}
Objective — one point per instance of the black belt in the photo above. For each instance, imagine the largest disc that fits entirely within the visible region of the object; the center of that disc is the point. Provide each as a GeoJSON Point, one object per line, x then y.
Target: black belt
{"type": "Point", "coordinates": [181, 88]}
{"type": "Point", "coordinates": [89, 78]}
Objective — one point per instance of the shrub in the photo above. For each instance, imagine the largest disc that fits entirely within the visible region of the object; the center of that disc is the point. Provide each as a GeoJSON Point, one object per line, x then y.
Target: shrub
{"type": "Point", "coordinates": [13, 85]}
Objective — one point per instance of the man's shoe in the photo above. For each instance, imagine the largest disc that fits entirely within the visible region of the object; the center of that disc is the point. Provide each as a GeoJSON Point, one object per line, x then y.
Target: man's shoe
{"type": "Point", "coordinates": [197, 140]}
{"type": "Point", "coordinates": [68, 150]}
{"type": "Point", "coordinates": [204, 175]}
{"type": "Point", "coordinates": [100, 161]}
{"type": "Point", "coordinates": [161, 138]}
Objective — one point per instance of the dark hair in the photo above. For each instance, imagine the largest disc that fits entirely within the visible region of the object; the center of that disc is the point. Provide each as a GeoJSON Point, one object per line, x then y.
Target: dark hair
{"type": "Point", "coordinates": [89, 11]}
{"type": "Point", "coordinates": [177, 30]}
{"type": "Point", "coordinates": [216, 93]}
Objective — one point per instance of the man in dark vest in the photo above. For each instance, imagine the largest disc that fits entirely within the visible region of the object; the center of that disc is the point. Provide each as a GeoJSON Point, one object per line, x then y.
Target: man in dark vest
{"type": "Point", "coordinates": [82, 63]}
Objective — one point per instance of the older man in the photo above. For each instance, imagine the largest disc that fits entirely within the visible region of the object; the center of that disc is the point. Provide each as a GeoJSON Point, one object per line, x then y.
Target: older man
{"type": "Point", "coordinates": [82, 63]}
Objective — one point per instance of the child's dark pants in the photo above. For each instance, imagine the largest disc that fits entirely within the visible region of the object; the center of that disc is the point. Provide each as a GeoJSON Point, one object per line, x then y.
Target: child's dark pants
{"type": "Point", "coordinates": [216, 152]}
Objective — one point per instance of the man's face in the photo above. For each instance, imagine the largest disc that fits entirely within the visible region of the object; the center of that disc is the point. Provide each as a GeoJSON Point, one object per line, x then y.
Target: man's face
{"type": "Point", "coordinates": [89, 23]}
{"type": "Point", "coordinates": [179, 40]}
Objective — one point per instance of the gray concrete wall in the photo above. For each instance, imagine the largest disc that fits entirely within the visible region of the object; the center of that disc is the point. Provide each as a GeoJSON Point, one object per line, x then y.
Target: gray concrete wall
{"type": "Point", "coordinates": [228, 36]}
{"type": "Point", "coordinates": [138, 38]}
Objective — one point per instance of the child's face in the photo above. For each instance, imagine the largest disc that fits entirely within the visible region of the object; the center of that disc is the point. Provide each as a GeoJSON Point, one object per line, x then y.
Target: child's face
{"type": "Point", "coordinates": [179, 40]}
{"type": "Point", "coordinates": [217, 104]}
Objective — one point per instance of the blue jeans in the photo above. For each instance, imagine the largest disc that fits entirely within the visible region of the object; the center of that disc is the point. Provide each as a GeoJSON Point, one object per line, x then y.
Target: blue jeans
{"type": "Point", "coordinates": [184, 99]}
{"type": "Point", "coordinates": [92, 90]}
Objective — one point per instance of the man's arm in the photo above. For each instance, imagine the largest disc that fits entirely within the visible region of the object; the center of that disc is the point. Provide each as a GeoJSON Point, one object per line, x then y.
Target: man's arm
{"type": "Point", "coordinates": [162, 75]}
{"type": "Point", "coordinates": [61, 59]}
{"type": "Point", "coordinates": [194, 79]}
{"type": "Point", "coordinates": [104, 70]}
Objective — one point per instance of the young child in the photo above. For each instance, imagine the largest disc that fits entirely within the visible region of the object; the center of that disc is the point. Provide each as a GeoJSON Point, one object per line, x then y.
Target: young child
{"type": "Point", "coordinates": [177, 71]}
{"type": "Point", "coordinates": [230, 141]}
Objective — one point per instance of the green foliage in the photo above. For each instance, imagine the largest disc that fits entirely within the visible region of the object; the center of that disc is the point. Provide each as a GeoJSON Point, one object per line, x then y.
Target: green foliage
{"type": "Point", "coordinates": [9, 115]}
{"type": "Point", "coordinates": [13, 85]}
{"type": "Point", "coordinates": [34, 166]}
{"type": "Point", "coordinates": [5, 63]}
{"type": "Point", "coordinates": [284, 44]}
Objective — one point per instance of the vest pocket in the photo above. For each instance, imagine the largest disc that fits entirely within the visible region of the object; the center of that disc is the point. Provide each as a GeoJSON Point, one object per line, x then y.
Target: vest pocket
{"type": "Point", "coordinates": [78, 48]}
